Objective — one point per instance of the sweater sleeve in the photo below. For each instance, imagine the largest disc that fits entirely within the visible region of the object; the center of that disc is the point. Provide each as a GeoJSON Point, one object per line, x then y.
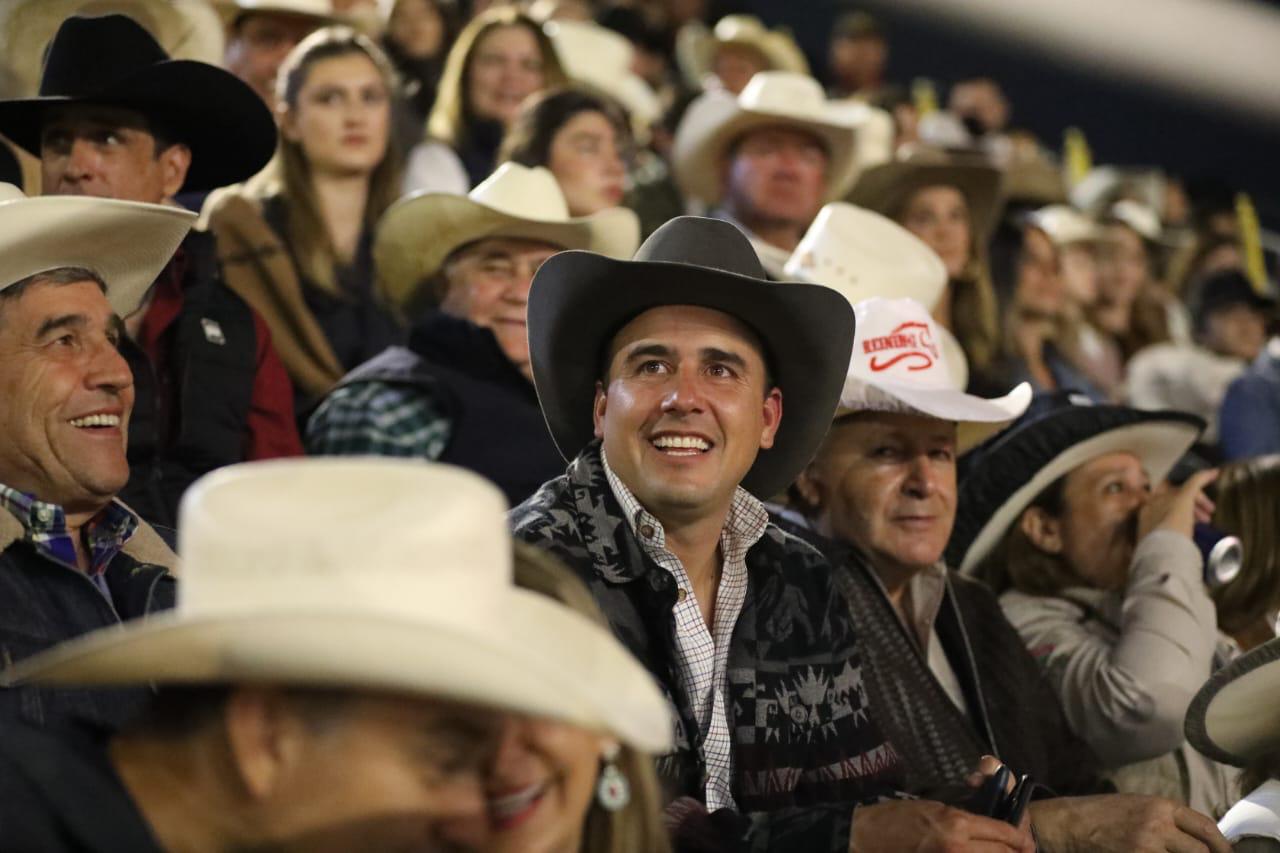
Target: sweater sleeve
{"type": "Point", "coordinates": [1126, 695]}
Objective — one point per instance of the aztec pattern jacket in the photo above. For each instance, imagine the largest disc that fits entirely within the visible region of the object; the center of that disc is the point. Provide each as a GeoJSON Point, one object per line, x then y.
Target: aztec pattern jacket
{"type": "Point", "coordinates": [807, 748]}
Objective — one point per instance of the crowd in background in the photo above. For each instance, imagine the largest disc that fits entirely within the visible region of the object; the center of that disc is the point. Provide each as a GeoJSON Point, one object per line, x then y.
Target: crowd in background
{"type": "Point", "coordinates": [376, 195]}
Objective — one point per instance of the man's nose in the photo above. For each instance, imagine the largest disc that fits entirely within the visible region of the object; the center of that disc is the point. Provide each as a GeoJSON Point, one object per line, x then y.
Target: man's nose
{"type": "Point", "coordinates": [921, 481]}
{"type": "Point", "coordinates": [108, 370]}
{"type": "Point", "coordinates": [685, 394]}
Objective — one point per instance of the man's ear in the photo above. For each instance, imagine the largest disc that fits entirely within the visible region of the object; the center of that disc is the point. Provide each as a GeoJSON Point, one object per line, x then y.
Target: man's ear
{"type": "Point", "coordinates": [811, 490]}
{"type": "Point", "coordinates": [265, 738]}
{"type": "Point", "coordinates": [772, 417]}
{"type": "Point", "coordinates": [175, 162]}
{"type": "Point", "coordinates": [1042, 529]}
{"type": "Point", "coordinates": [598, 409]}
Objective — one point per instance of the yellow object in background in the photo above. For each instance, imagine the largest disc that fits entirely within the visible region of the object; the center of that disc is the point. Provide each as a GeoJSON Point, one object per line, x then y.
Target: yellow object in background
{"type": "Point", "coordinates": [1251, 242]}
{"type": "Point", "coordinates": [924, 93]}
{"type": "Point", "coordinates": [1076, 155]}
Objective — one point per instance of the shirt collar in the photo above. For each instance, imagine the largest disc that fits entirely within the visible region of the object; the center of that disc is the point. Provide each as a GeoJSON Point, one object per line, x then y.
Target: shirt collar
{"type": "Point", "coordinates": [44, 526]}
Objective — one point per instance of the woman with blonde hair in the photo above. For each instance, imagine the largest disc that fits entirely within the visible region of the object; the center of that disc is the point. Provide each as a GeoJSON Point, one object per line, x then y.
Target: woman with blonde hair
{"type": "Point", "coordinates": [1247, 506]}
{"type": "Point", "coordinates": [296, 240]}
{"type": "Point", "coordinates": [558, 788]}
{"type": "Point", "coordinates": [500, 58]}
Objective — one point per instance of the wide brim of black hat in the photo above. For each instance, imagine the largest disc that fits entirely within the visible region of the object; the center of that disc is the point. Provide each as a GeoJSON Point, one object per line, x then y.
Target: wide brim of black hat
{"type": "Point", "coordinates": [227, 126]}
{"type": "Point", "coordinates": [1232, 719]}
{"type": "Point", "coordinates": [1005, 475]}
{"type": "Point", "coordinates": [579, 300]}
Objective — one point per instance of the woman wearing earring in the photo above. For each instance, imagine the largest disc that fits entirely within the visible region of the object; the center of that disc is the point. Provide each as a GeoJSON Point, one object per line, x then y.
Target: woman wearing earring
{"type": "Point", "coordinates": [296, 240]}
{"type": "Point", "coordinates": [557, 788]}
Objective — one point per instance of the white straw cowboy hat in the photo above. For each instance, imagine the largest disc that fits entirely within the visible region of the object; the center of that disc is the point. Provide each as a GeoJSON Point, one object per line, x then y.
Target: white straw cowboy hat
{"type": "Point", "coordinates": [772, 99]}
{"type": "Point", "coordinates": [127, 243]}
{"type": "Point", "coordinates": [186, 29]}
{"type": "Point", "coordinates": [898, 365]}
{"type": "Point", "coordinates": [697, 47]}
{"type": "Point", "coordinates": [1233, 717]}
{"type": "Point", "coordinates": [862, 254]}
{"type": "Point", "coordinates": [601, 59]}
{"type": "Point", "coordinates": [1064, 225]}
{"type": "Point", "coordinates": [418, 233]}
{"type": "Point", "coordinates": [369, 574]}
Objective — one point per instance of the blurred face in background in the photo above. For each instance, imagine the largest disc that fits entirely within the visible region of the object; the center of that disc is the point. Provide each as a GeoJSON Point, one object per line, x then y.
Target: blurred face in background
{"type": "Point", "coordinates": [939, 215]}
{"type": "Point", "coordinates": [259, 42]}
{"type": "Point", "coordinates": [417, 28]}
{"type": "Point", "coordinates": [734, 65]}
{"type": "Point", "coordinates": [1038, 293]}
{"type": "Point", "coordinates": [776, 177]}
{"type": "Point", "coordinates": [342, 118]}
{"type": "Point", "coordinates": [858, 63]}
{"type": "Point", "coordinates": [586, 157]}
{"type": "Point", "coordinates": [1238, 330]}
{"type": "Point", "coordinates": [1125, 270]}
{"type": "Point", "coordinates": [505, 68]}
{"type": "Point", "coordinates": [1080, 273]}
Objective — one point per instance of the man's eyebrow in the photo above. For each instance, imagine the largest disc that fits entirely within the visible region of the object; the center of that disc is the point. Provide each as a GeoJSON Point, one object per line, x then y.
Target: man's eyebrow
{"type": "Point", "coordinates": [721, 355]}
{"type": "Point", "coordinates": [63, 321]}
{"type": "Point", "coordinates": [642, 350]}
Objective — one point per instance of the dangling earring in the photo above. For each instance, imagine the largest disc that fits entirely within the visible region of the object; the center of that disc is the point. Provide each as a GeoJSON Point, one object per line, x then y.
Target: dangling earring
{"type": "Point", "coordinates": [613, 790]}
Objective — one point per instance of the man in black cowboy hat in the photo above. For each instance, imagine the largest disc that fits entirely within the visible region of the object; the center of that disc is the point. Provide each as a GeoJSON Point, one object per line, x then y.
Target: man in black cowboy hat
{"type": "Point", "coordinates": [663, 378]}
{"type": "Point", "coordinates": [1101, 577]}
{"type": "Point", "coordinates": [116, 118]}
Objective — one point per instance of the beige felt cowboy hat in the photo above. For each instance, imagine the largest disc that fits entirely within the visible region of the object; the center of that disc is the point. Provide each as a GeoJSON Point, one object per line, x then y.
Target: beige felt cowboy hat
{"type": "Point", "coordinates": [186, 29]}
{"type": "Point", "coordinates": [696, 47]}
{"type": "Point", "coordinates": [601, 59]}
{"type": "Point", "coordinates": [369, 574]}
{"type": "Point", "coordinates": [417, 234]}
{"type": "Point", "coordinates": [772, 99]}
{"type": "Point", "coordinates": [127, 243]}
{"type": "Point", "coordinates": [886, 188]}
{"type": "Point", "coordinates": [898, 365]}
{"type": "Point", "coordinates": [1064, 225]}
{"type": "Point", "coordinates": [862, 255]}
{"type": "Point", "coordinates": [1233, 717]}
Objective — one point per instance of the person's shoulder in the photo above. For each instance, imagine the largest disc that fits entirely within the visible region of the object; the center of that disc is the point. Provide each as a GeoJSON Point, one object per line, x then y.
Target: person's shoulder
{"type": "Point", "coordinates": [546, 514]}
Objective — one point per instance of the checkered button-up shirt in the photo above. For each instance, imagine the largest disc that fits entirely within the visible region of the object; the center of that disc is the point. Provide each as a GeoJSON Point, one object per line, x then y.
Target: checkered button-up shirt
{"type": "Point", "coordinates": [381, 419]}
{"type": "Point", "coordinates": [45, 529]}
{"type": "Point", "coordinates": [702, 652]}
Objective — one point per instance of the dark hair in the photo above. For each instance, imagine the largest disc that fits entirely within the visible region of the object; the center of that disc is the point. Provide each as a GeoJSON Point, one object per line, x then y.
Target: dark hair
{"type": "Point", "coordinates": [182, 710]}
{"type": "Point", "coordinates": [56, 277]}
{"type": "Point", "coordinates": [1017, 563]}
{"type": "Point", "coordinates": [528, 140]}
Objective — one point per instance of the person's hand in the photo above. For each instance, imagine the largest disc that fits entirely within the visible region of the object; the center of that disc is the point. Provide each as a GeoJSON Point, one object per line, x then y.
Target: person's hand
{"type": "Point", "coordinates": [1124, 823]}
{"type": "Point", "coordinates": [1177, 509]}
{"type": "Point", "coordinates": [926, 826]}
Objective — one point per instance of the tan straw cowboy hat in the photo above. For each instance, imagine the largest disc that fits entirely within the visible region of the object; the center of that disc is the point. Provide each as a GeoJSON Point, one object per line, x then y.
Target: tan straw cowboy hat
{"type": "Point", "coordinates": [417, 234]}
{"type": "Point", "coordinates": [697, 48]}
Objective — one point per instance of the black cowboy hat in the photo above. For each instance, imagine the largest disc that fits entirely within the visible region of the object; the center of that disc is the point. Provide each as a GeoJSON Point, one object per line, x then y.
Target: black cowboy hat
{"type": "Point", "coordinates": [1060, 432]}
{"type": "Point", "coordinates": [579, 300]}
{"type": "Point", "coordinates": [112, 60]}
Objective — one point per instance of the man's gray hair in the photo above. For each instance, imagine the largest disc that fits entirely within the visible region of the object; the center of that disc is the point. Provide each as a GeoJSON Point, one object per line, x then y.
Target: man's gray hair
{"type": "Point", "coordinates": [57, 276]}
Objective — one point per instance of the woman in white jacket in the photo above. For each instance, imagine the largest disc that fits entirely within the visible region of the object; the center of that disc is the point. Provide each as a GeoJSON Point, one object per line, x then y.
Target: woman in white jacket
{"type": "Point", "coordinates": [1100, 575]}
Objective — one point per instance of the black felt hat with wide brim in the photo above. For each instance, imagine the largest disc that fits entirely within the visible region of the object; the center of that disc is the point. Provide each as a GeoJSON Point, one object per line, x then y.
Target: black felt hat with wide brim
{"type": "Point", "coordinates": [1060, 432]}
{"type": "Point", "coordinates": [113, 61]}
{"type": "Point", "coordinates": [1232, 718]}
{"type": "Point", "coordinates": [579, 300]}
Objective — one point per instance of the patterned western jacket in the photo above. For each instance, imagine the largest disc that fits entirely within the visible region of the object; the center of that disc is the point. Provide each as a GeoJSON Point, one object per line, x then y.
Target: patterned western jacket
{"type": "Point", "coordinates": [806, 746]}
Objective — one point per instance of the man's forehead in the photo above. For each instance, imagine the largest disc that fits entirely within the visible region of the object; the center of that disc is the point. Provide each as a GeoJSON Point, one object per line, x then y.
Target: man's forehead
{"type": "Point", "coordinates": [782, 132]}
{"type": "Point", "coordinates": [506, 247]}
{"type": "Point", "coordinates": [678, 324]}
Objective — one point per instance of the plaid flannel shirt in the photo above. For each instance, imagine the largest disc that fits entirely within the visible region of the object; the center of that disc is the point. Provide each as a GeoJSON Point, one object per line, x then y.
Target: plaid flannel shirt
{"type": "Point", "coordinates": [381, 419]}
{"type": "Point", "coordinates": [45, 528]}
{"type": "Point", "coordinates": [702, 653]}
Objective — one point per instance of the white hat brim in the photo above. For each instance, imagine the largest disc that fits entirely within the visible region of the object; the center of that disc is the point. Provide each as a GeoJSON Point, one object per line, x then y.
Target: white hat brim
{"type": "Point", "coordinates": [706, 133]}
{"type": "Point", "coordinates": [539, 658]}
{"type": "Point", "coordinates": [1229, 719]}
{"type": "Point", "coordinates": [418, 233]}
{"type": "Point", "coordinates": [977, 418]}
{"type": "Point", "coordinates": [127, 243]}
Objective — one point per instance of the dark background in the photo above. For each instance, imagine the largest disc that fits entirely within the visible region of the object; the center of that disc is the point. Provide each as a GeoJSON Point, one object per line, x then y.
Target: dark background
{"type": "Point", "coordinates": [1126, 123]}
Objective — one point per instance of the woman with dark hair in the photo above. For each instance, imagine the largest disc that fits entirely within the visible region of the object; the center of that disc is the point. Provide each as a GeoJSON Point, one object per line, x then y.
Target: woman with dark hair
{"type": "Point", "coordinates": [296, 240]}
{"type": "Point", "coordinates": [500, 58]}
{"type": "Point", "coordinates": [582, 138]}
{"type": "Point", "coordinates": [416, 39]}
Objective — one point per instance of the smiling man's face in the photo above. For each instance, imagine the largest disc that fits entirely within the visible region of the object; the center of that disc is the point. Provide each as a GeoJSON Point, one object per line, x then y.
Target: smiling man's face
{"type": "Point", "coordinates": [686, 409]}
{"type": "Point", "coordinates": [65, 396]}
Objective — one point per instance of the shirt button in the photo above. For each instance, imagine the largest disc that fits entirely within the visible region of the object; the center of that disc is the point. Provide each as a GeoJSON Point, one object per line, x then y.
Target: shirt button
{"type": "Point", "coordinates": [646, 530]}
{"type": "Point", "coordinates": [45, 514]}
{"type": "Point", "coordinates": [681, 594]}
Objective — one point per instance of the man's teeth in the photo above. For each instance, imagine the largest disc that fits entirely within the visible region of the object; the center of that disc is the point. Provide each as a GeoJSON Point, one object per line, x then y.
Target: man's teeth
{"type": "Point", "coordinates": [514, 804]}
{"type": "Point", "coordinates": [681, 442]}
{"type": "Point", "coordinates": [97, 421]}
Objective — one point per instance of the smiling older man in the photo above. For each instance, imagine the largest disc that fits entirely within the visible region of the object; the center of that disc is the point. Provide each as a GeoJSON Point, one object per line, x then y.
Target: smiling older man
{"type": "Point", "coordinates": [72, 558]}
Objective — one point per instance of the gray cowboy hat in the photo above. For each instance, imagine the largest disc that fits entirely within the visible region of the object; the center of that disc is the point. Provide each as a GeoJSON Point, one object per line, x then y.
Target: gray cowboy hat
{"type": "Point", "coordinates": [579, 300]}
